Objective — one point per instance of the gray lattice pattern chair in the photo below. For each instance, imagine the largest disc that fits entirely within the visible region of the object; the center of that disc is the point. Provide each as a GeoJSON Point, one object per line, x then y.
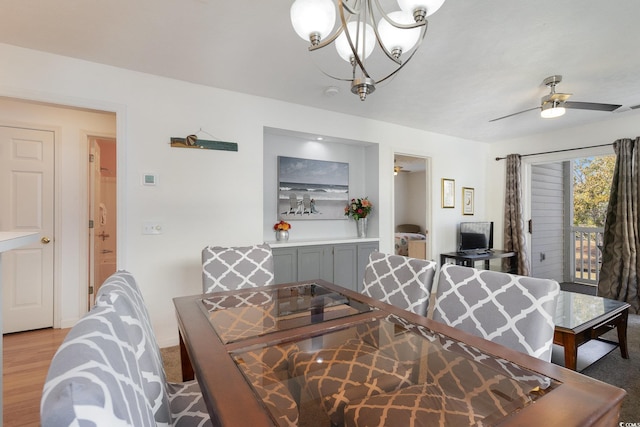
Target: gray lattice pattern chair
{"type": "Point", "coordinates": [94, 379]}
{"type": "Point", "coordinates": [178, 404]}
{"type": "Point", "coordinates": [459, 385]}
{"type": "Point", "coordinates": [515, 311]}
{"type": "Point", "coordinates": [230, 268]}
{"type": "Point", "coordinates": [266, 368]}
{"type": "Point", "coordinates": [376, 360]}
{"type": "Point", "coordinates": [400, 281]}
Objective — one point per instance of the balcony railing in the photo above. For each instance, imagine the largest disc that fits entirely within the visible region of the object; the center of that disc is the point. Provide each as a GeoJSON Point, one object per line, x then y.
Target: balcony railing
{"type": "Point", "coordinates": [587, 254]}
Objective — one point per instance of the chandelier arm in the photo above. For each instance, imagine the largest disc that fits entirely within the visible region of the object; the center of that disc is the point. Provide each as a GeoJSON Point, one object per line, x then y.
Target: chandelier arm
{"type": "Point", "coordinates": [397, 24]}
{"type": "Point", "coordinates": [416, 48]}
{"type": "Point", "coordinates": [327, 41]}
{"type": "Point", "coordinates": [354, 50]}
{"type": "Point", "coordinates": [351, 10]}
{"type": "Point", "coordinates": [379, 39]}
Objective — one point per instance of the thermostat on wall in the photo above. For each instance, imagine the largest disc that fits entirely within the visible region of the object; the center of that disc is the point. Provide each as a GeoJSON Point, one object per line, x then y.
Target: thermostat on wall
{"type": "Point", "coordinates": [149, 179]}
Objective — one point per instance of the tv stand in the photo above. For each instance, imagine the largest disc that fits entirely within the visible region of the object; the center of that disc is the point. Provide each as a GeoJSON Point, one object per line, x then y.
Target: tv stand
{"type": "Point", "coordinates": [470, 259]}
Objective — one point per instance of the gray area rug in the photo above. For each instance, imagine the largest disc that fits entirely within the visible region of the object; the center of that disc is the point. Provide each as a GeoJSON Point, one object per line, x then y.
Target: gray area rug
{"type": "Point", "coordinates": [623, 373]}
{"type": "Point", "coordinates": [612, 369]}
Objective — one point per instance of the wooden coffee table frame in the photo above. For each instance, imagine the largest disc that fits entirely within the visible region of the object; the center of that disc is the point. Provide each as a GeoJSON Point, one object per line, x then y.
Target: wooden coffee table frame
{"type": "Point", "coordinates": [571, 339]}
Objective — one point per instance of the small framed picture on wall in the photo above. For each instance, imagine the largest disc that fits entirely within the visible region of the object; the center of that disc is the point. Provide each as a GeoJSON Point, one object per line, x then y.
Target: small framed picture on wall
{"type": "Point", "coordinates": [448, 193]}
{"type": "Point", "coordinates": [467, 201]}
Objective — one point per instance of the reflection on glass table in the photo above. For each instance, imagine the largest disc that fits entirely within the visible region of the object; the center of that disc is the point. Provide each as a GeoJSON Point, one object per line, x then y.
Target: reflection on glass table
{"type": "Point", "coordinates": [251, 313]}
{"type": "Point", "coordinates": [386, 367]}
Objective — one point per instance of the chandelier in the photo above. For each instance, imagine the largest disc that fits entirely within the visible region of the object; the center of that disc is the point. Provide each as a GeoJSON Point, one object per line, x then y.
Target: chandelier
{"type": "Point", "coordinates": [362, 25]}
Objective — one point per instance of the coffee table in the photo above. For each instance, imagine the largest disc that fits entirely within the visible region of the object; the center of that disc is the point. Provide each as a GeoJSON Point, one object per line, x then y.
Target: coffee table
{"type": "Point", "coordinates": [580, 321]}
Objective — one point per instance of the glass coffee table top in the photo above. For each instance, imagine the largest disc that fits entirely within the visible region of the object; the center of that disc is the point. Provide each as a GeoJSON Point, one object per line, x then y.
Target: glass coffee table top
{"type": "Point", "coordinates": [574, 309]}
{"type": "Point", "coordinates": [255, 312]}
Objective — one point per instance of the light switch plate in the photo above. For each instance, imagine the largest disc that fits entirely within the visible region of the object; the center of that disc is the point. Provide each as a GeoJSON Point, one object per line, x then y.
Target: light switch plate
{"type": "Point", "coordinates": [151, 228]}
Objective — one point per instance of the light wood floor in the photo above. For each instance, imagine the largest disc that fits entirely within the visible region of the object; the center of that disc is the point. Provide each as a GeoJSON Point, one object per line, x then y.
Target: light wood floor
{"type": "Point", "coordinates": [26, 358]}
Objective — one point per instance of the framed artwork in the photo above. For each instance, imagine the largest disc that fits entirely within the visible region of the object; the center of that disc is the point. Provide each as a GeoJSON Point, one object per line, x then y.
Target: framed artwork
{"type": "Point", "coordinates": [448, 193]}
{"type": "Point", "coordinates": [467, 201]}
{"type": "Point", "coordinates": [312, 189]}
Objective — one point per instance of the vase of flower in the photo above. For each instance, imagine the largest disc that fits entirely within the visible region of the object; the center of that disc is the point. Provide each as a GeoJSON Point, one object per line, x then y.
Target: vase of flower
{"type": "Point", "coordinates": [282, 235]}
{"type": "Point", "coordinates": [361, 227]}
{"type": "Point", "coordinates": [282, 231]}
{"type": "Point", "coordinates": [359, 210]}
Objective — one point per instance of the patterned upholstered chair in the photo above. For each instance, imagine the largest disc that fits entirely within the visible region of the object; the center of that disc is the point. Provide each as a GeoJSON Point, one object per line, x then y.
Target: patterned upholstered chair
{"type": "Point", "coordinates": [229, 268]}
{"type": "Point", "coordinates": [360, 367]}
{"type": "Point", "coordinates": [94, 378]}
{"type": "Point", "coordinates": [365, 366]}
{"type": "Point", "coordinates": [515, 311]}
{"type": "Point", "coordinates": [400, 281]}
{"type": "Point", "coordinates": [460, 386]}
{"type": "Point", "coordinates": [266, 368]}
{"type": "Point", "coordinates": [178, 404]}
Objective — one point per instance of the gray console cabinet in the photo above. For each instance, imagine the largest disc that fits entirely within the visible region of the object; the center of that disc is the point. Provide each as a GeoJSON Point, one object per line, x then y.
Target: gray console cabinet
{"type": "Point", "coordinates": [341, 263]}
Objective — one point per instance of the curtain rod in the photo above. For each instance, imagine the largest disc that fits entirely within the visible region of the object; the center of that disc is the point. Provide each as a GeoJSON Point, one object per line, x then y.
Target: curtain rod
{"type": "Point", "coordinates": [557, 151]}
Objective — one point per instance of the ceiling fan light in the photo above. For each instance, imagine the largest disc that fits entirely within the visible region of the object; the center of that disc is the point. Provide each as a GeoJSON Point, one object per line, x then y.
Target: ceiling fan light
{"type": "Point", "coordinates": [313, 19]}
{"type": "Point", "coordinates": [410, 6]}
{"type": "Point", "coordinates": [398, 39]}
{"type": "Point", "coordinates": [365, 37]}
{"type": "Point", "coordinates": [552, 110]}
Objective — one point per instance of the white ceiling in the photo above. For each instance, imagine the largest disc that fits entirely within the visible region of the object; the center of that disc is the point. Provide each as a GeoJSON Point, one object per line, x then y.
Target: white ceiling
{"type": "Point", "coordinates": [480, 59]}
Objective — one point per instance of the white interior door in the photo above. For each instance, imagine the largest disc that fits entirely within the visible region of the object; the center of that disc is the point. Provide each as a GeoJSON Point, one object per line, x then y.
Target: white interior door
{"type": "Point", "coordinates": [27, 195]}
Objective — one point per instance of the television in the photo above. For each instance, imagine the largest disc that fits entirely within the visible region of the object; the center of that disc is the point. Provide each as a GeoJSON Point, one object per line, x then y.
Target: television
{"type": "Point", "coordinates": [475, 237]}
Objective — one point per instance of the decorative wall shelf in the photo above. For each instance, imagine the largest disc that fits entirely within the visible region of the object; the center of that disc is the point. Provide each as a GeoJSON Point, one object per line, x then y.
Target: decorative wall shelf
{"type": "Point", "coordinates": [194, 142]}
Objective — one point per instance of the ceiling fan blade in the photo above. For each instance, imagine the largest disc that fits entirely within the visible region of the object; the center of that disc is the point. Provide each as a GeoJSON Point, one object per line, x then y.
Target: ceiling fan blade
{"type": "Point", "coordinates": [514, 114]}
{"type": "Point", "coordinates": [591, 106]}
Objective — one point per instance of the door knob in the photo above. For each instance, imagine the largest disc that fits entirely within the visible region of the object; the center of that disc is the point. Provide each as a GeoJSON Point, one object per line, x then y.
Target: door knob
{"type": "Point", "coordinates": [45, 240]}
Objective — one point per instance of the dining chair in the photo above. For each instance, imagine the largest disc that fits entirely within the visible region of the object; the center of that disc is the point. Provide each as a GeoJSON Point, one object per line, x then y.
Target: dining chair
{"type": "Point", "coordinates": [514, 311]}
{"type": "Point", "coordinates": [177, 404]}
{"type": "Point", "coordinates": [230, 268]}
{"type": "Point", "coordinates": [365, 365]}
{"type": "Point", "coordinates": [400, 281]}
{"type": "Point", "coordinates": [93, 378]}
{"type": "Point", "coordinates": [459, 385]}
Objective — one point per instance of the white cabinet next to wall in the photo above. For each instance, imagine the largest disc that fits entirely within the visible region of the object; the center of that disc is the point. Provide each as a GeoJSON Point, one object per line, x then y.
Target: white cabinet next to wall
{"type": "Point", "coordinates": [342, 262]}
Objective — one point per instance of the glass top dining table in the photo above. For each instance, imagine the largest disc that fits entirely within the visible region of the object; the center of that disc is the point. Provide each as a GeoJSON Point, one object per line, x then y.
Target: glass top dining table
{"type": "Point", "coordinates": [316, 354]}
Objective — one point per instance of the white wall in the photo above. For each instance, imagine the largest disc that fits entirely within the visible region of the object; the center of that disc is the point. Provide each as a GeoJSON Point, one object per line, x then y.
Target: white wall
{"type": "Point", "coordinates": [200, 193]}
{"type": "Point", "coordinates": [410, 199]}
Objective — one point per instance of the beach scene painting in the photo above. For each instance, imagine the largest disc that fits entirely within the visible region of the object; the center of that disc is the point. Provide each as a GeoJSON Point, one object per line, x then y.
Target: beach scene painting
{"type": "Point", "coordinates": [312, 189]}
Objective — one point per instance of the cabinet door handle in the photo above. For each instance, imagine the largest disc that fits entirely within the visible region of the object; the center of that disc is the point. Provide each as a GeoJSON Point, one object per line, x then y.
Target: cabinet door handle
{"type": "Point", "coordinates": [45, 240]}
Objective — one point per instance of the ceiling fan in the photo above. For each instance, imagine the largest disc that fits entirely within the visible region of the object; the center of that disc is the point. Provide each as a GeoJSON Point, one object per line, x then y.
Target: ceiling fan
{"type": "Point", "coordinates": [554, 104]}
{"type": "Point", "coordinates": [397, 169]}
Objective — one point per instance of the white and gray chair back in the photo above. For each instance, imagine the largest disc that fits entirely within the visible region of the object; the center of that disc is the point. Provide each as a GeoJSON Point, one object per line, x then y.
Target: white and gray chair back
{"type": "Point", "coordinates": [514, 311]}
{"type": "Point", "coordinates": [94, 379]}
{"type": "Point", "coordinates": [230, 268]}
{"type": "Point", "coordinates": [178, 404]}
{"type": "Point", "coordinates": [400, 281]}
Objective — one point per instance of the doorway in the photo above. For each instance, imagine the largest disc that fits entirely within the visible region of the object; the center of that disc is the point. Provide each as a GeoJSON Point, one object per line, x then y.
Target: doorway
{"type": "Point", "coordinates": [569, 199]}
{"type": "Point", "coordinates": [71, 127]}
{"type": "Point", "coordinates": [102, 190]}
{"type": "Point", "coordinates": [411, 206]}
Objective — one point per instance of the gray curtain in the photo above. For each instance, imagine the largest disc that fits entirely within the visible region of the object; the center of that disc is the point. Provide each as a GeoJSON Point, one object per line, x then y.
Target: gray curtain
{"type": "Point", "coordinates": [514, 237]}
{"type": "Point", "coordinates": [621, 242]}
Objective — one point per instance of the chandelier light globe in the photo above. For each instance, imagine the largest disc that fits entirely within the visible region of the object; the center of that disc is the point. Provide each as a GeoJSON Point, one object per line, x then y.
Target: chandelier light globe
{"type": "Point", "coordinates": [420, 8]}
{"type": "Point", "coordinates": [398, 40]}
{"type": "Point", "coordinates": [313, 20]}
{"type": "Point", "coordinates": [366, 38]}
{"type": "Point", "coordinates": [551, 110]}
